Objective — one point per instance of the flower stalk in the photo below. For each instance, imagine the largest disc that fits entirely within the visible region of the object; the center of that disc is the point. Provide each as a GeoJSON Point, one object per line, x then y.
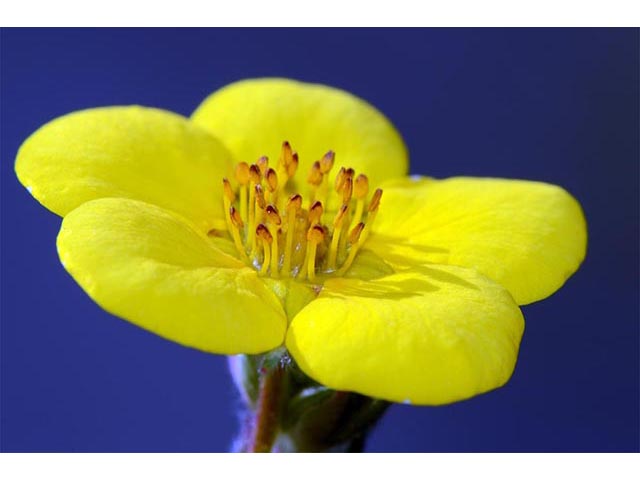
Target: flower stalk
{"type": "Point", "coordinates": [268, 409]}
{"type": "Point", "coordinates": [286, 411]}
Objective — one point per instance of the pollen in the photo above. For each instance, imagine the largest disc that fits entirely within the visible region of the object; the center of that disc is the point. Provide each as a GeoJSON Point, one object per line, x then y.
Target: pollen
{"type": "Point", "coordinates": [282, 234]}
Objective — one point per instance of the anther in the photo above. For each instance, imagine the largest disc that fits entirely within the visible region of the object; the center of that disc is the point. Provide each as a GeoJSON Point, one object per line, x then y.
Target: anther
{"type": "Point", "coordinates": [315, 175]}
{"type": "Point", "coordinates": [254, 174]}
{"type": "Point", "coordinates": [263, 164]}
{"type": "Point", "coordinates": [228, 191]}
{"type": "Point", "coordinates": [315, 213]}
{"type": "Point", "coordinates": [260, 200]}
{"type": "Point", "coordinates": [374, 204]}
{"type": "Point", "coordinates": [340, 178]}
{"type": "Point", "coordinates": [326, 162]}
{"type": "Point", "coordinates": [315, 234]}
{"type": "Point", "coordinates": [294, 202]}
{"type": "Point", "coordinates": [236, 220]}
{"type": "Point", "coordinates": [347, 190]}
{"type": "Point", "coordinates": [337, 221]}
{"type": "Point", "coordinates": [286, 153]}
{"type": "Point", "coordinates": [375, 201]}
{"type": "Point", "coordinates": [272, 215]}
{"type": "Point", "coordinates": [354, 236]}
{"type": "Point", "coordinates": [242, 173]}
{"type": "Point", "coordinates": [361, 187]}
{"type": "Point", "coordinates": [272, 180]}
{"type": "Point", "coordinates": [263, 233]}
{"type": "Point", "coordinates": [292, 166]}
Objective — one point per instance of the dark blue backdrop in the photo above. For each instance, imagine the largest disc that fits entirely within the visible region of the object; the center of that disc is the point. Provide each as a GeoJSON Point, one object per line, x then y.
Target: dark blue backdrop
{"type": "Point", "coordinates": [554, 105]}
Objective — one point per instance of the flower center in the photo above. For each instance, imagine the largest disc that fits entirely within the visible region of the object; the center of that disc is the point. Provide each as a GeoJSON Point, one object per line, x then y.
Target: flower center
{"type": "Point", "coordinates": [281, 234]}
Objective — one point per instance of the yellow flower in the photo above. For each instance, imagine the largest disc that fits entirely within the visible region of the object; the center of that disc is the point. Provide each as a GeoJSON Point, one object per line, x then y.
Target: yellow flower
{"type": "Point", "coordinates": [410, 297]}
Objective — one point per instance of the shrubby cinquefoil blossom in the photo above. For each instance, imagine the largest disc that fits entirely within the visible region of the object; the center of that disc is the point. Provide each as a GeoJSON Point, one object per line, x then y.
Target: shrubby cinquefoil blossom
{"type": "Point", "coordinates": [210, 232]}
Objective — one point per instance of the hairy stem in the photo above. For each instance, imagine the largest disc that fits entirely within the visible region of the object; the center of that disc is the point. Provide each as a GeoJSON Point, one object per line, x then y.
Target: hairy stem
{"type": "Point", "coordinates": [268, 410]}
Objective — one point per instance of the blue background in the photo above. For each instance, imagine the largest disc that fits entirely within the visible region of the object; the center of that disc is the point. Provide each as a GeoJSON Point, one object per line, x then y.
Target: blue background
{"type": "Point", "coordinates": [554, 105]}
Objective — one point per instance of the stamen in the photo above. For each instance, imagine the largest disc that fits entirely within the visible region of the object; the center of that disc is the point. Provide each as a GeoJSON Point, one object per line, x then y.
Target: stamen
{"type": "Point", "coordinates": [273, 222]}
{"type": "Point", "coordinates": [360, 190]}
{"type": "Point", "coordinates": [263, 233]}
{"type": "Point", "coordinates": [286, 157]}
{"type": "Point", "coordinates": [375, 201]}
{"type": "Point", "coordinates": [326, 164]}
{"type": "Point", "coordinates": [242, 176]}
{"type": "Point", "coordinates": [372, 211]}
{"type": "Point", "coordinates": [355, 238]}
{"type": "Point", "coordinates": [347, 190]}
{"type": "Point", "coordinates": [236, 226]}
{"type": "Point", "coordinates": [252, 212]}
{"type": "Point", "coordinates": [314, 179]}
{"type": "Point", "coordinates": [337, 230]}
{"type": "Point", "coordinates": [293, 206]}
{"type": "Point", "coordinates": [259, 207]}
{"type": "Point", "coordinates": [315, 235]}
{"type": "Point", "coordinates": [228, 197]}
{"type": "Point", "coordinates": [256, 226]}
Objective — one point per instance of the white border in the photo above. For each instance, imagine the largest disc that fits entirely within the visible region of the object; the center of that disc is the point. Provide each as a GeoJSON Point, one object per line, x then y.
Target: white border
{"type": "Point", "coordinates": [308, 13]}
{"type": "Point", "coordinates": [311, 467]}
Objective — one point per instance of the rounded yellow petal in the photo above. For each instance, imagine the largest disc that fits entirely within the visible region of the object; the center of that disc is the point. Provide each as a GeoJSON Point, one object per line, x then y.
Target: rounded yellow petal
{"type": "Point", "coordinates": [253, 117]}
{"type": "Point", "coordinates": [430, 336]}
{"type": "Point", "coordinates": [528, 236]}
{"type": "Point", "coordinates": [133, 152]}
{"type": "Point", "coordinates": [155, 269]}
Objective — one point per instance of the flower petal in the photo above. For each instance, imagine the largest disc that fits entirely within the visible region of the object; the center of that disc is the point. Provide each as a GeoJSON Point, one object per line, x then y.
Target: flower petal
{"type": "Point", "coordinates": [153, 268]}
{"type": "Point", "coordinates": [133, 152]}
{"type": "Point", "coordinates": [528, 236]}
{"type": "Point", "coordinates": [430, 336]}
{"type": "Point", "coordinates": [254, 117]}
